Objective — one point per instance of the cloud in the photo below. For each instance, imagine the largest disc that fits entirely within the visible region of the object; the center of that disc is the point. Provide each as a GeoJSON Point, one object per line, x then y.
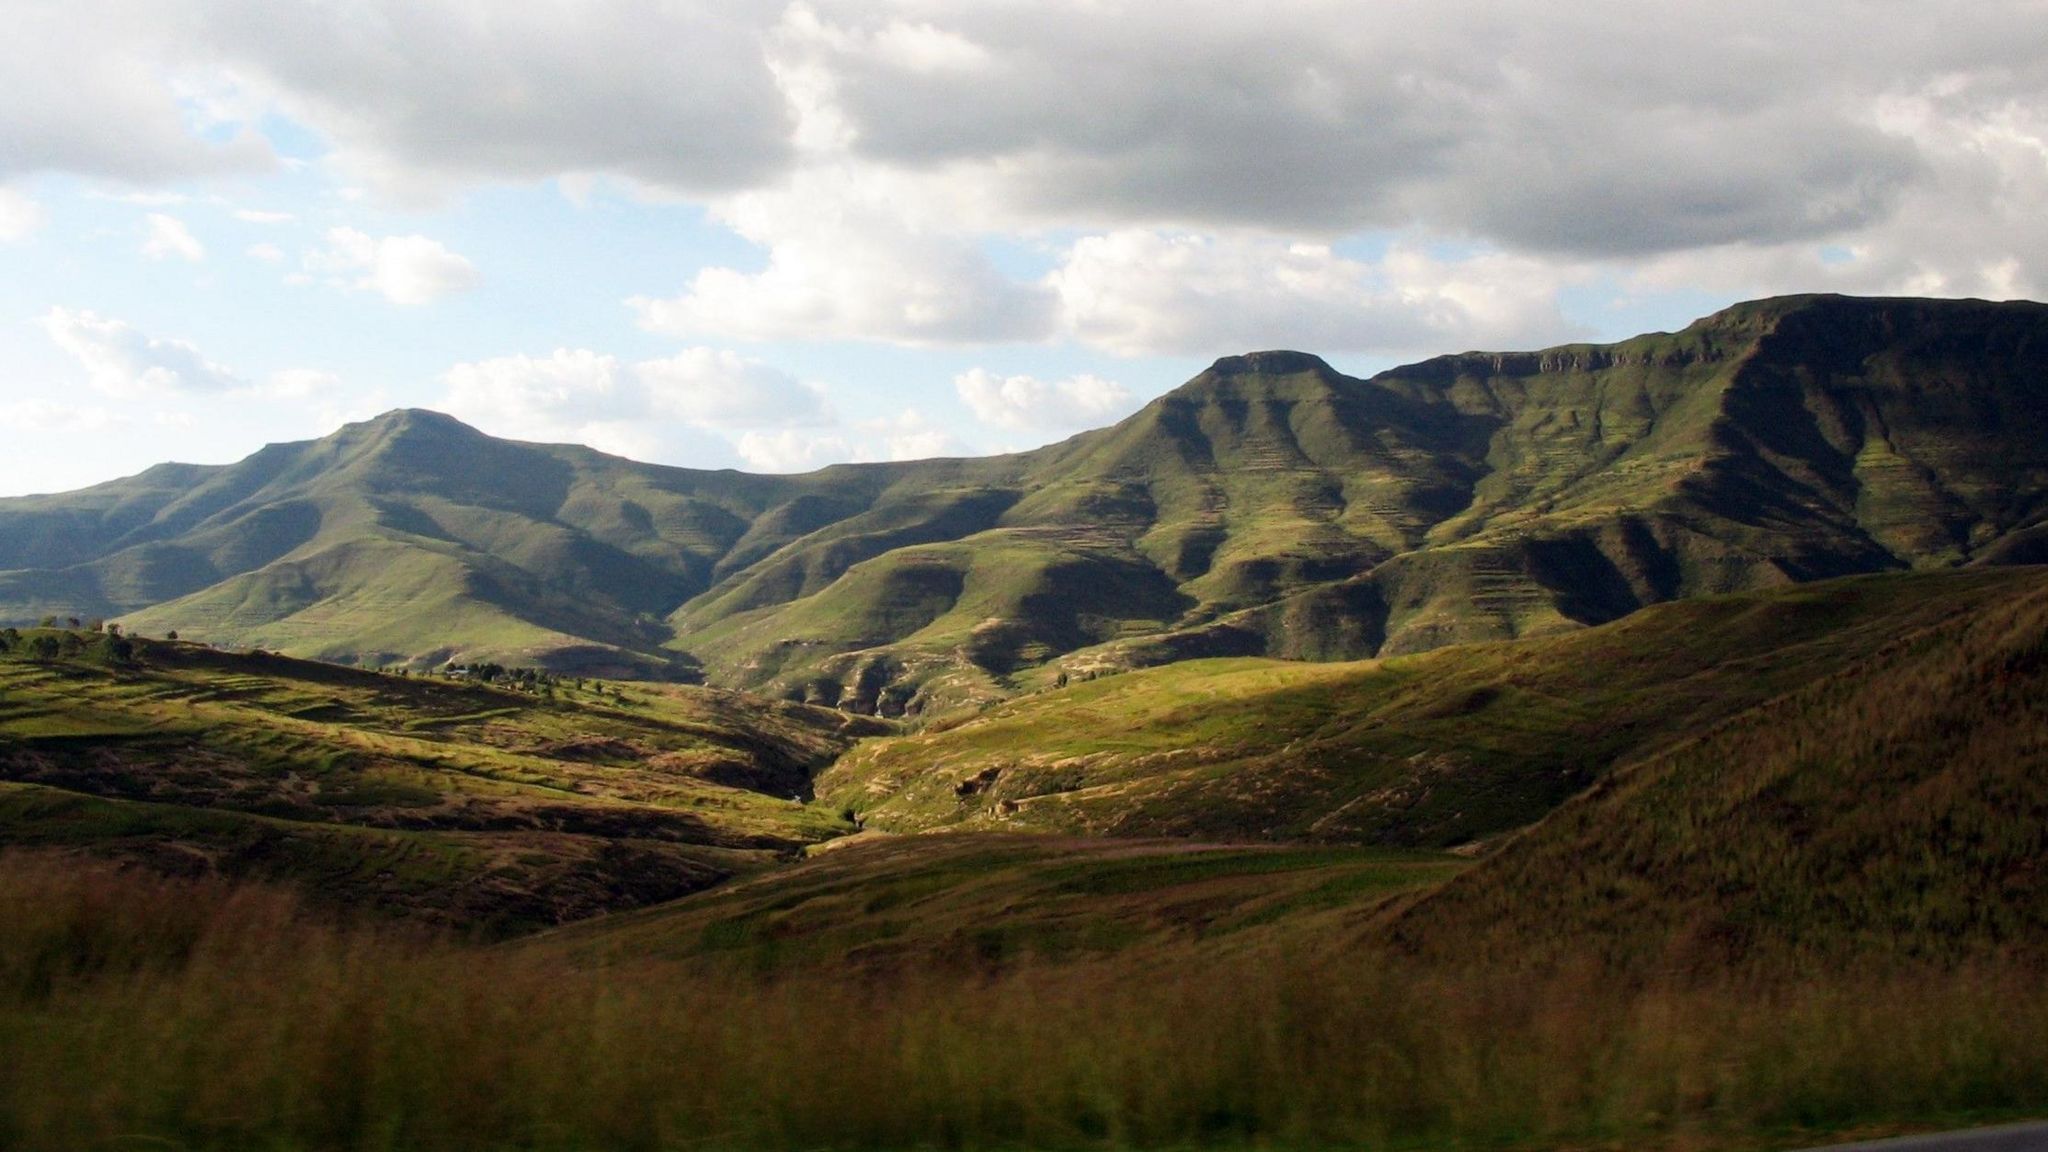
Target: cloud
{"type": "Point", "coordinates": [407, 270]}
{"type": "Point", "coordinates": [52, 416]}
{"type": "Point", "coordinates": [20, 215]}
{"type": "Point", "coordinates": [633, 409]}
{"type": "Point", "coordinates": [681, 407]}
{"type": "Point", "coordinates": [849, 259]}
{"type": "Point", "coordinates": [267, 253]}
{"type": "Point", "coordinates": [789, 450]}
{"type": "Point", "coordinates": [909, 170]}
{"type": "Point", "coordinates": [423, 96]}
{"type": "Point", "coordinates": [711, 388]}
{"type": "Point", "coordinates": [1026, 403]}
{"type": "Point", "coordinates": [537, 398]}
{"type": "Point", "coordinates": [167, 238]}
{"type": "Point", "coordinates": [1974, 226]}
{"type": "Point", "coordinates": [1147, 293]}
{"type": "Point", "coordinates": [253, 216]}
{"type": "Point", "coordinates": [301, 384]}
{"type": "Point", "coordinates": [122, 362]}
{"type": "Point", "coordinates": [87, 87]}
{"type": "Point", "coordinates": [1581, 130]}
{"type": "Point", "coordinates": [909, 435]}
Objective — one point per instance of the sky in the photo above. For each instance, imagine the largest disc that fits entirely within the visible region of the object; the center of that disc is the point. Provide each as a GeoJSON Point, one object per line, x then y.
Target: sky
{"type": "Point", "coordinates": [772, 235]}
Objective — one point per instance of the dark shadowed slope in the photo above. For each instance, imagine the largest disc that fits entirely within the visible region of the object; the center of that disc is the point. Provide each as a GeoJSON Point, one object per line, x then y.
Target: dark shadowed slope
{"type": "Point", "coordinates": [1437, 750]}
{"type": "Point", "coordinates": [1894, 809]}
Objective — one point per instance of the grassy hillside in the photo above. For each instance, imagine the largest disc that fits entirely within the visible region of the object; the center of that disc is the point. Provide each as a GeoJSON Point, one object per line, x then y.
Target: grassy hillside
{"type": "Point", "coordinates": [1441, 749]}
{"type": "Point", "coordinates": [461, 803]}
{"type": "Point", "coordinates": [1271, 506]}
{"type": "Point", "coordinates": [1893, 810]}
{"type": "Point", "coordinates": [1798, 903]}
{"type": "Point", "coordinates": [987, 903]}
{"type": "Point", "coordinates": [136, 1011]}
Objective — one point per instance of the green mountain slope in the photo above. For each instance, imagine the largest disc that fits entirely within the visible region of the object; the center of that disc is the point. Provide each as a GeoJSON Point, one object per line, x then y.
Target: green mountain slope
{"type": "Point", "coordinates": [456, 802]}
{"type": "Point", "coordinates": [1436, 750]}
{"type": "Point", "coordinates": [1271, 506]}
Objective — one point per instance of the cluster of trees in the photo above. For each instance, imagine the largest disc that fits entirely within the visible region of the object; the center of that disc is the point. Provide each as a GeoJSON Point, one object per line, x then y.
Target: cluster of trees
{"type": "Point", "coordinates": [535, 681]}
{"type": "Point", "coordinates": [104, 644]}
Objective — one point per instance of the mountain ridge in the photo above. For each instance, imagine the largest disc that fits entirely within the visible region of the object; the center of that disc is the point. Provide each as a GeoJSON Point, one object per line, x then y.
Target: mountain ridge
{"type": "Point", "coordinates": [1270, 506]}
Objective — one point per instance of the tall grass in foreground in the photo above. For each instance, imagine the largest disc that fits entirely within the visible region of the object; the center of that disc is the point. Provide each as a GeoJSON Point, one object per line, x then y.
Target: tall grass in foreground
{"type": "Point", "coordinates": [142, 1013]}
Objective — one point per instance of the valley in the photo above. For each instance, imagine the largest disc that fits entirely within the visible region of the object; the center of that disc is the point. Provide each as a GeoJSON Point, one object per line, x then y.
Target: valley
{"type": "Point", "coordinates": [1638, 745]}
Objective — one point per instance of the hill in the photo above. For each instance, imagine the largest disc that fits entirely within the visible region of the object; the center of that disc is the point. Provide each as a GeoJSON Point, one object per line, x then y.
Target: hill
{"type": "Point", "coordinates": [1844, 770]}
{"type": "Point", "coordinates": [1270, 507]}
{"type": "Point", "coordinates": [461, 803]}
{"type": "Point", "coordinates": [1452, 747]}
{"type": "Point", "coordinates": [894, 905]}
{"type": "Point", "coordinates": [1889, 813]}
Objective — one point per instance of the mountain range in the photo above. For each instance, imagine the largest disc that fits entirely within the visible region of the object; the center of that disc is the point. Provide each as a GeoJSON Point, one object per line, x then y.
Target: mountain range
{"type": "Point", "coordinates": [1271, 506]}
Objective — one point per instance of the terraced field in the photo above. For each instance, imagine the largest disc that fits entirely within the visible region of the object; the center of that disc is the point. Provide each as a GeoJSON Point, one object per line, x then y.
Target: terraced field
{"type": "Point", "coordinates": [465, 803]}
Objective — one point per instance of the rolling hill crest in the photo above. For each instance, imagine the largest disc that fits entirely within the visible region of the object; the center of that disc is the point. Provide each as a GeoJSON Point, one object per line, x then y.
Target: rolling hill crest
{"type": "Point", "coordinates": [1270, 506]}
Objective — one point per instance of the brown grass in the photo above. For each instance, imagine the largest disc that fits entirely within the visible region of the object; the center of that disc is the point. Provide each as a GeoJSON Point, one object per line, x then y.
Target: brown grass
{"type": "Point", "coordinates": [147, 1013]}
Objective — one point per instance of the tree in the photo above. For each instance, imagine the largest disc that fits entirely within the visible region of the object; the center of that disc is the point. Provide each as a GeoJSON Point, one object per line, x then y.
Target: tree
{"type": "Point", "coordinates": [171, 635]}
{"type": "Point", "coordinates": [112, 648]}
{"type": "Point", "coordinates": [43, 647]}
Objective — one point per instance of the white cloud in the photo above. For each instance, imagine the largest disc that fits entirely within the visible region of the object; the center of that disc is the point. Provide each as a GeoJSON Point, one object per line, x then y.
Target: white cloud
{"type": "Point", "coordinates": [1026, 403]}
{"type": "Point", "coordinates": [408, 270]}
{"type": "Point", "coordinates": [536, 398]}
{"type": "Point", "coordinates": [789, 450]}
{"type": "Point", "coordinates": [122, 362]}
{"type": "Point", "coordinates": [671, 409]}
{"type": "Point", "coordinates": [1139, 292]}
{"type": "Point", "coordinates": [51, 416]}
{"type": "Point", "coordinates": [634, 409]}
{"type": "Point", "coordinates": [167, 238]}
{"type": "Point", "coordinates": [849, 257]}
{"type": "Point", "coordinates": [253, 216]}
{"type": "Point", "coordinates": [19, 215]}
{"type": "Point", "coordinates": [301, 384]}
{"type": "Point", "coordinates": [267, 253]}
{"type": "Point", "coordinates": [909, 435]}
{"type": "Point", "coordinates": [712, 388]}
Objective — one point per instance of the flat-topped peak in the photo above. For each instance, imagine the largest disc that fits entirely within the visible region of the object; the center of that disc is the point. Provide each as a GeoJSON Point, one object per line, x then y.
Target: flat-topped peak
{"type": "Point", "coordinates": [406, 419]}
{"type": "Point", "coordinates": [1278, 362]}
